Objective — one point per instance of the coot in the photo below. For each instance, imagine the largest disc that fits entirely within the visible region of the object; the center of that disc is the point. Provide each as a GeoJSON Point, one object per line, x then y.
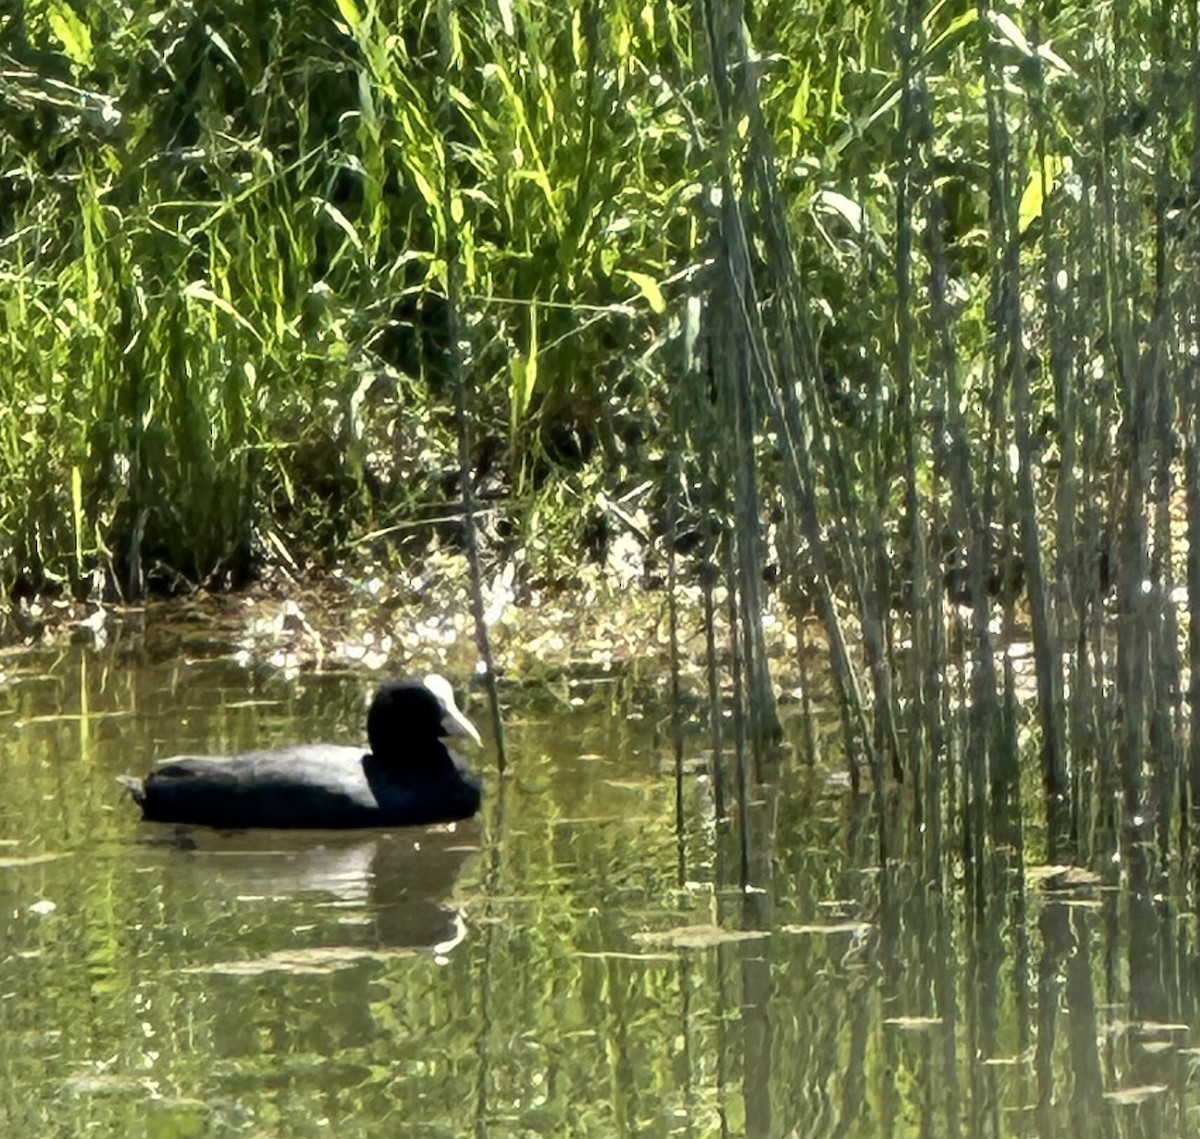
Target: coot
{"type": "Point", "coordinates": [408, 778]}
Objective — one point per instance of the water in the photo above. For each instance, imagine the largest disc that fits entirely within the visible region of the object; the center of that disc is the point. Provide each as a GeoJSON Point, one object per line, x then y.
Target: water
{"type": "Point", "coordinates": [565, 966]}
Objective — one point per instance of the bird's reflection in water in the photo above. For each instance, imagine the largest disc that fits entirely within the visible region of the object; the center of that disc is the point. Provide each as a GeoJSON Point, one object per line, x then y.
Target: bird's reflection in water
{"type": "Point", "coordinates": [394, 887]}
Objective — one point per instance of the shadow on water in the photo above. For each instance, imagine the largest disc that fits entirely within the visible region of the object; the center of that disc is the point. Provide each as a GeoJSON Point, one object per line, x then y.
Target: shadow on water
{"type": "Point", "coordinates": [598, 954]}
{"type": "Point", "coordinates": [391, 890]}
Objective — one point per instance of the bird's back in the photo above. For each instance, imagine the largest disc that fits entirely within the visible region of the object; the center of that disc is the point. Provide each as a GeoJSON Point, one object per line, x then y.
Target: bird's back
{"type": "Point", "coordinates": [314, 785]}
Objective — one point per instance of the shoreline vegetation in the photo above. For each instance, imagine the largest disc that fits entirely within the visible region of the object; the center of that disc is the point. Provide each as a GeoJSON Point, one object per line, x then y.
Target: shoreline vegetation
{"type": "Point", "coordinates": [873, 326]}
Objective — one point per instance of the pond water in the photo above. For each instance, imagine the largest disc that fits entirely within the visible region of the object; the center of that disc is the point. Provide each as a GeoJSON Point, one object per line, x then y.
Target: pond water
{"type": "Point", "coordinates": [571, 964]}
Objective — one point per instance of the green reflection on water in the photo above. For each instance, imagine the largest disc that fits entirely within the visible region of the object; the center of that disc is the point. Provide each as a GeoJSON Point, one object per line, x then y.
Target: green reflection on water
{"type": "Point", "coordinates": [540, 972]}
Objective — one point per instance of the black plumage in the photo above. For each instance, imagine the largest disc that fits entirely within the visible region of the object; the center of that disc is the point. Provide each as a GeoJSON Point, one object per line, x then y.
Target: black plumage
{"type": "Point", "coordinates": [408, 778]}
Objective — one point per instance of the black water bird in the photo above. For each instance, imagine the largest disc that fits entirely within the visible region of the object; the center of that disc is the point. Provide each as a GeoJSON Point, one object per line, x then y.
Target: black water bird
{"type": "Point", "coordinates": [409, 777]}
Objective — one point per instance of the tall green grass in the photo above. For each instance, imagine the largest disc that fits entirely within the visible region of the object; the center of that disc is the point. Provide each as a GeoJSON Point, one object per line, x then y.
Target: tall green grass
{"type": "Point", "coordinates": [219, 270]}
{"type": "Point", "coordinates": [900, 298]}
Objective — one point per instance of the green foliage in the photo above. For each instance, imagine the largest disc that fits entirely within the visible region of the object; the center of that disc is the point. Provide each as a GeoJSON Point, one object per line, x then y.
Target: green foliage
{"type": "Point", "coordinates": [224, 242]}
{"type": "Point", "coordinates": [218, 230]}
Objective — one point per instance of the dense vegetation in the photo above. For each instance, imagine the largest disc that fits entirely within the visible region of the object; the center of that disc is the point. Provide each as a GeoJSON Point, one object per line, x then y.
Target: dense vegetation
{"type": "Point", "coordinates": [893, 303]}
